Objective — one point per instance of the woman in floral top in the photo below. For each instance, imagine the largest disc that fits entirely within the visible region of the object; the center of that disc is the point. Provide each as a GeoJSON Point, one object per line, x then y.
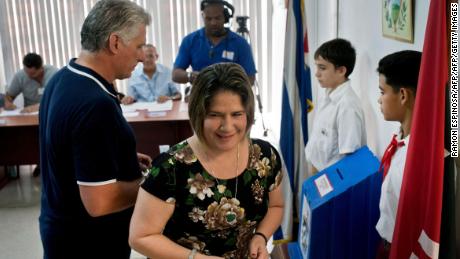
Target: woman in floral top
{"type": "Point", "coordinates": [217, 194]}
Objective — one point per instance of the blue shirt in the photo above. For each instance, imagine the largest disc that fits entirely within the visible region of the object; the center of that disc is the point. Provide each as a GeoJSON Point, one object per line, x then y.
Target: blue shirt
{"type": "Point", "coordinates": [83, 138]}
{"type": "Point", "coordinates": [196, 50]}
{"type": "Point", "coordinates": [144, 89]}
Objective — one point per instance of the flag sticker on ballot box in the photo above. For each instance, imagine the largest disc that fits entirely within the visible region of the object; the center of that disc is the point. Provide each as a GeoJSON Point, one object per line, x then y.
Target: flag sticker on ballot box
{"type": "Point", "coordinates": [323, 185]}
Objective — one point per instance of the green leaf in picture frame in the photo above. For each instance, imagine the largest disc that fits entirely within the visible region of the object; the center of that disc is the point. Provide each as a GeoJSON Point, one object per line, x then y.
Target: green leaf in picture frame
{"type": "Point", "coordinates": [387, 19]}
{"type": "Point", "coordinates": [402, 21]}
{"type": "Point", "coordinates": [387, 14]}
{"type": "Point", "coordinates": [404, 9]}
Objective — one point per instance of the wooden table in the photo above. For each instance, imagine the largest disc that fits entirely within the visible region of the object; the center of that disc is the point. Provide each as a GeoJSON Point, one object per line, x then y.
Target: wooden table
{"type": "Point", "coordinates": [19, 134]}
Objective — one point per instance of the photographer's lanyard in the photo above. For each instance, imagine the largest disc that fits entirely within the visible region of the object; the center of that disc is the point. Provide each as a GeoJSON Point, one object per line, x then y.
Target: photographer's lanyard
{"type": "Point", "coordinates": [76, 71]}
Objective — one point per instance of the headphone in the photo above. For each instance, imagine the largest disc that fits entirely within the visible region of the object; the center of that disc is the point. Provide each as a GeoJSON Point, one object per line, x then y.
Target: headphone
{"type": "Point", "coordinates": [229, 10]}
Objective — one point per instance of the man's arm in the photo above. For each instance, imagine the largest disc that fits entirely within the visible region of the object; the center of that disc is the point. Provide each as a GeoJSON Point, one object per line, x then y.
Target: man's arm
{"type": "Point", "coordinates": [177, 96]}
{"type": "Point", "coordinates": [109, 198]}
{"type": "Point", "coordinates": [164, 98]}
{"type": "Point", "coordinates": [132, 95]}
{"type": "Point", "coordinates": [127, 100]}
{"type": "Point", "coordinates": [103, 188]}
{"type": "Point", "coordinates": [179, 75]}
{"type": "Point", "coordinates": [252, 79]}
{"type": "Point", "coordinates": [13, 90]}
{"type": "Point", "coordinates": [246, 60]}
{"type": "Point", "coordinates": [31, 108]}
{"type": "Point", "coordinates": [174, 91]}
{"type": "Point", "coordinates": [9, 105]}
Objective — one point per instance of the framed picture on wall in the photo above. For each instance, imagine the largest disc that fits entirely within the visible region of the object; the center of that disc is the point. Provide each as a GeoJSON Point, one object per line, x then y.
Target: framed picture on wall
{"type": "Point", "coordinates": [398, 20]}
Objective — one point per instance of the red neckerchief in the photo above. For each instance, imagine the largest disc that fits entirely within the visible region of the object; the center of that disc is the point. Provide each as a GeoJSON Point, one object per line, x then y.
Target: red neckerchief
{"type": "Point", "coordinates": [388, 155]}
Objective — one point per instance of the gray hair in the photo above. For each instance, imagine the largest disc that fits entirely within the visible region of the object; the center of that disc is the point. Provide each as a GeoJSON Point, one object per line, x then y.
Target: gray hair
{"type": "Point", "coordinates": [109, 16]}
{"type": "Point", "coordinates": [149, 45]}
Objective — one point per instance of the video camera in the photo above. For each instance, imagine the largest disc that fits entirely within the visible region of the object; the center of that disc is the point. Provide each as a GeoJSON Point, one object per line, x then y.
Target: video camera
{"type": "Point", "coordinates": [242, 24]}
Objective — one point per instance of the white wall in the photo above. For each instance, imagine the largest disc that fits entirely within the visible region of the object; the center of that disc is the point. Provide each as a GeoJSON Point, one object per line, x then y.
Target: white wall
{"type": "Point", "coordinates": [360, 22]}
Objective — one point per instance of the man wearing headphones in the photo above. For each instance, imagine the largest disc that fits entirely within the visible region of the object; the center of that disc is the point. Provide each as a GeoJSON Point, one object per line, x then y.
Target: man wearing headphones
{"type": "Point", "coordinates": [212, 44]}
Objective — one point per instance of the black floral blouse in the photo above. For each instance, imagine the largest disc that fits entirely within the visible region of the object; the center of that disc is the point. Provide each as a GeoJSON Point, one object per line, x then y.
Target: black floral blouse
{"type": "Point", "coordinates": [207, 215]}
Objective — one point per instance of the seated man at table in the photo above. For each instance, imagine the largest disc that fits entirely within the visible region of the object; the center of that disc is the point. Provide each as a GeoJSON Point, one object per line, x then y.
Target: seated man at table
{"type": "Point", "coordinates": [151, 81]}
{"type": "Point", "coordinates": [2, 101]}
{"type": "Point", "coordinates": [30, 81]}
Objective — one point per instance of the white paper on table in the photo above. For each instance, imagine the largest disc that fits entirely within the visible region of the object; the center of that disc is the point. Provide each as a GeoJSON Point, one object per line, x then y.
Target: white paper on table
{"type": "Point", "coordinates": [157, 114]}
{"type": "Point", "coordinates": [150, 106]}
{"type": "Point", "coordinates": [16, 112]}
{"type": "Point", "coordinates": [183, 107]}
{"type": "Point", "coordinates": [130, 114]}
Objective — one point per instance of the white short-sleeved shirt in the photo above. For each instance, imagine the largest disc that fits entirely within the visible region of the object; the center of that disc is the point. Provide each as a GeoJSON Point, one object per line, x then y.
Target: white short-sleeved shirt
{"type": "Point", "coordinates": [391, 188]}
{"type": "Point", "coordinates": [338, 127]}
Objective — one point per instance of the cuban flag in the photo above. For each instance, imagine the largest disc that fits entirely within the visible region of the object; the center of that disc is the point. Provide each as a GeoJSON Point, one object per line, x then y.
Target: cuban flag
{"type": "Point", "coordinates": [418, 221]}
{"type": "Point", "coordinates": [296, 103]}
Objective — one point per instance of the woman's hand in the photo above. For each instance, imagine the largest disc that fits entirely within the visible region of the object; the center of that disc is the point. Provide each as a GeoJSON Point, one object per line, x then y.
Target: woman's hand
{"type": "Point", "coordinates": [258, 248]}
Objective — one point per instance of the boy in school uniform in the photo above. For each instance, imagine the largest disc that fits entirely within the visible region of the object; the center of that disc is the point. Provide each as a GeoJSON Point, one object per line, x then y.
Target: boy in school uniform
{"type": "Point", "coordinates": [338, 128]}
{"type": "Point", "coordinates": [398, 76]}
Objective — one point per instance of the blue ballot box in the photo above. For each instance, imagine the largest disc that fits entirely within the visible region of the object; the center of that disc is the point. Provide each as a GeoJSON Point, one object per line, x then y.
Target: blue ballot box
{"type": "Point", "coordinates": [339, 210]}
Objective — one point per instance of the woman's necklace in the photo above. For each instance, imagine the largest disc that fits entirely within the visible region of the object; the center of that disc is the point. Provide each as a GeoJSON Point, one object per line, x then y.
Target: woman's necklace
{"type": "Point", "coordinates": [211, 172]}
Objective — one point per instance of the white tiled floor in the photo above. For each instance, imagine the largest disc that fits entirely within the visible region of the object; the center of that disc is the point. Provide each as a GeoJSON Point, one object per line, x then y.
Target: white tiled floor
{"type": "Point", "coordinates": [19, 211]}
